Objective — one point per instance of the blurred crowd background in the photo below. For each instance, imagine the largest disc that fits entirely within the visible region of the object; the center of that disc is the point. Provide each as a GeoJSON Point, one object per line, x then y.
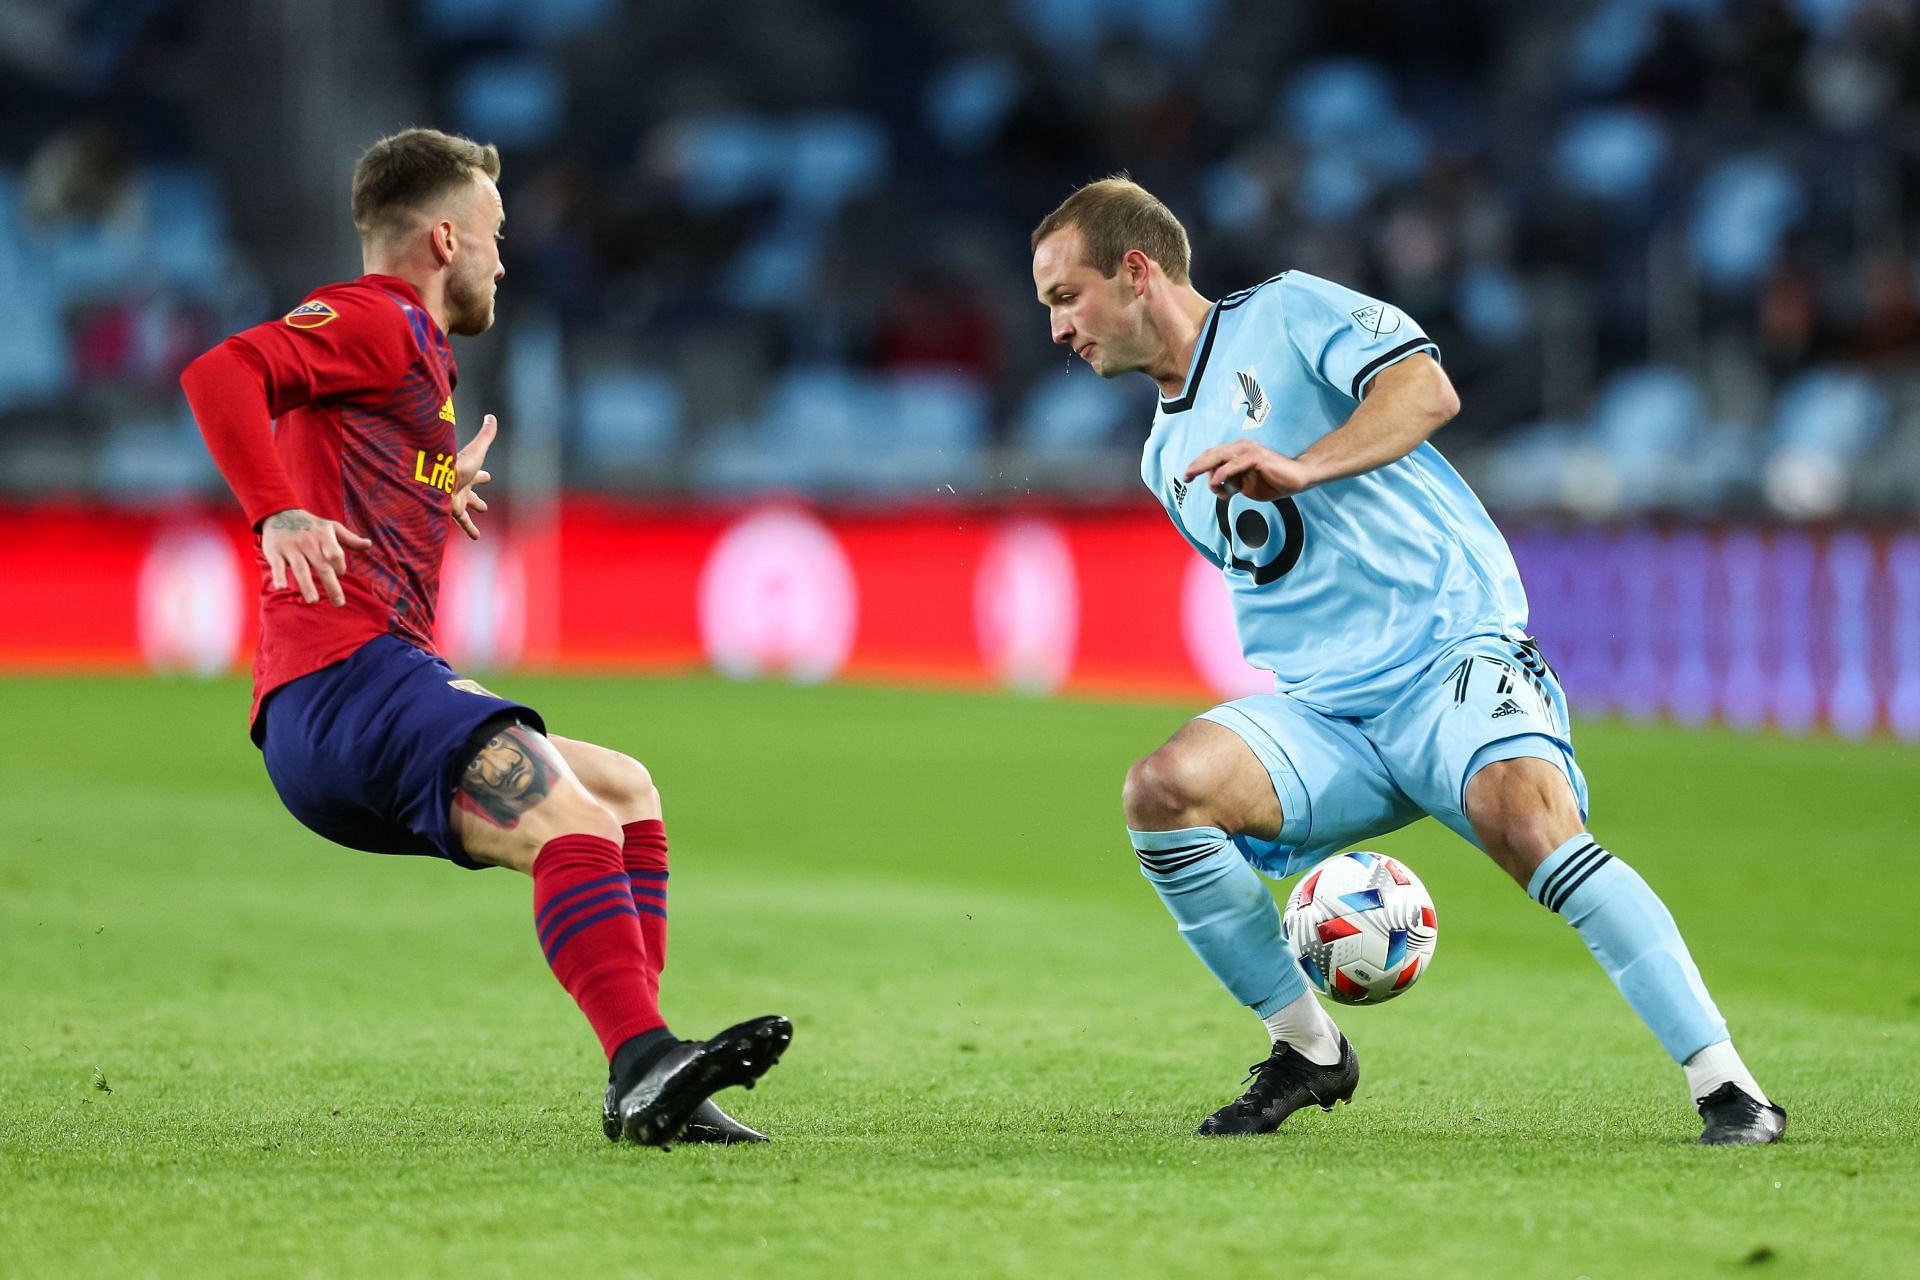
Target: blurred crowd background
{"type": "Point", "coordinates": [1667, 247]}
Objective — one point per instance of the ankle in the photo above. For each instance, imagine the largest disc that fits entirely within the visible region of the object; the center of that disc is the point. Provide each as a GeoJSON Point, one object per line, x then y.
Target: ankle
{"type": "Point", "coordinates": [637, 1054]}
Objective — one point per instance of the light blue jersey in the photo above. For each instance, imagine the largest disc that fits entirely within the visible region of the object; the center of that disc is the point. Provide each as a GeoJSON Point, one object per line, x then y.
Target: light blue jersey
{"type": "Point", "coordinates": [1348, 591]}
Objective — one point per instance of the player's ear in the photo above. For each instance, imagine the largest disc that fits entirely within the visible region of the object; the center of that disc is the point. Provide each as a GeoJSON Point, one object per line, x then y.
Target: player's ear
{"type": "Point", "coordinates": [1137, 267]}
{"type": "Point", "coordinates": [443, 236]}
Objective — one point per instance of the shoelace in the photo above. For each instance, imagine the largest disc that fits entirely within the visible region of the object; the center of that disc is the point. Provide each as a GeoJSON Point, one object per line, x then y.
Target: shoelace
{"type": "Point", "coordinates": [1265, 1079]}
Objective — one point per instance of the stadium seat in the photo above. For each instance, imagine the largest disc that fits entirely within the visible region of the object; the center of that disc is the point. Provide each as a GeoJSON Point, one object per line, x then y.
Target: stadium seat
{"type": "Point", "coordinates": [153, 460]}
{"type": "Point", "coordinates": [829, 158]}
{"type": "Point", "coordinates": [931, 434]}
{"type": "Point", "coordinates": [515, 100]}
{"type": "Point", "coordinates": [1609, 43]}
{"type": "Point", "coordinates": [722, 159]}
{"type": "Point", "coordinates": [1067, 413]}
{"type": "Point", "coordinates": [966, 101]}
{"type": "Point", "coordinates": [454, 21]}
{"type": "Point", "coordinates": [625, 418]}
{"type": "Point", "coordinates": [811, 434]}
{"type": "Point", "coordinates": [1492, 303]}
{"type": "Point", "coordinates": [33, 350]}
{"type": "Point", "coordinates": [1610, 153]}
{"type": "Point", "coordinates": [1824, 422]}
{"type": "Point", "coordinates": [1534, 467]}
{"type": "Point", "coordinates": [1645, 423]}
{"type": "Point", "coordinates": [1743, 208]}
{"type": "Point", "coordinates": [774, 270]}
{"type": "Point", "coordinates": [186, 221]}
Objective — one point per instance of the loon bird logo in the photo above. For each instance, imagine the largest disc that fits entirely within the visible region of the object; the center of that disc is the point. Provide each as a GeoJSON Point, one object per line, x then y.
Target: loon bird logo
{"type": "Point", "coordinates": [1256, 399]}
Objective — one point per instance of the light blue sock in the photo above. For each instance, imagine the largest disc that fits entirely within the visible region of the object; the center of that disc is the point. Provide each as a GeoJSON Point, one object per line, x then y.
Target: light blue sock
{"type": "Point", "coordinates": [1225, 912]}
{"type": "Point", "coordinates": [1633, 936]}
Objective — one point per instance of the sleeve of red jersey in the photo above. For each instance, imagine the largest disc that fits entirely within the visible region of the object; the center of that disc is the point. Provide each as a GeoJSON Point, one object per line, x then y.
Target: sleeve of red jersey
{"type": "Point", "coordinates": [345, 343]}
{"type": "Point", "coordinates": [227, 389]}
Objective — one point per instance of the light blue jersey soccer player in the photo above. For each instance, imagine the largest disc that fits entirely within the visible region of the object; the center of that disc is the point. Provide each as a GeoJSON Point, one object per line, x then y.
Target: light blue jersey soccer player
{"type": "Point", "coordinates": [1290, 448]}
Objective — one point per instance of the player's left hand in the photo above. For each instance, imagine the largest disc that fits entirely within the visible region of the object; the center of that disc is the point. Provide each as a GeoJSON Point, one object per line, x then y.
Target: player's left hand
{"type": "Point", "coordinates": [1251, 469]}
{"type": "Point", "coordinates": [467, 473]}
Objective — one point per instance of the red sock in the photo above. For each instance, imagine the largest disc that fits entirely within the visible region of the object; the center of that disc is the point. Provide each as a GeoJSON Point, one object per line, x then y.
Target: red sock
{"type": "Point", "coordinates": [645, 854]}
{"type": "Point", "coordinates": [585, 917]}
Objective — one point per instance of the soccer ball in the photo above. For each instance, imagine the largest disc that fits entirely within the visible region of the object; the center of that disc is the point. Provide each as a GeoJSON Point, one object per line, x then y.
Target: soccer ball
{"type": "Point", "coordinates": [1363, 927]}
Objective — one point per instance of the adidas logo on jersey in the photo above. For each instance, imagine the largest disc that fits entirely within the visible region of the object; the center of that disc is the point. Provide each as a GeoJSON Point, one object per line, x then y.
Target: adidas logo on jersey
{"type": "Point", "coordinates": [1179, 492]}
{"type": "Point", "coordinates": [1507, 708]}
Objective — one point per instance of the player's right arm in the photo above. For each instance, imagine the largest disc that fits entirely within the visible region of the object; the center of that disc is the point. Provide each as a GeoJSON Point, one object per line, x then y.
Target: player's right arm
{"type": "Point", "coordinates": [236, 391]}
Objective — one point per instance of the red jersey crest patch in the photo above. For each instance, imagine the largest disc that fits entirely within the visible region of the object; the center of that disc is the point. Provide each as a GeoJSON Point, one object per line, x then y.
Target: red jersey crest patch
{"type": "Point", "coordinates": [310, 315]}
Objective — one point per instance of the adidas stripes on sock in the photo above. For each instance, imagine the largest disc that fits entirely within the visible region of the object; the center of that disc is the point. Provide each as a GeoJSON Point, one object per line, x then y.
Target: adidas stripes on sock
{"type": "Point", "coordinates": [1633, 936]}
{"type": "Point", "coordinates": [1224, 912]}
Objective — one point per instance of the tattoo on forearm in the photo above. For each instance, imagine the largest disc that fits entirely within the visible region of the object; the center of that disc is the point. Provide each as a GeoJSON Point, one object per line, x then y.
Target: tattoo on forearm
{"type": "Point", "coordinates": [510, 775]}
{"type": "Point", "coordinates": [291, 521]}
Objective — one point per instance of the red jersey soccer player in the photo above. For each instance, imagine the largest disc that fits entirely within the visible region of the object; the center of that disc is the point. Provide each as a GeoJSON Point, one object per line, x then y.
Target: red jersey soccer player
{"type": "Point", "coordinates": [334, 425]}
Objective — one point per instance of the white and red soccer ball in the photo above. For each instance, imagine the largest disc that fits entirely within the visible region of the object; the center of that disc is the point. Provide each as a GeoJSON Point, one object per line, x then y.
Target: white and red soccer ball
{"type": "Point", "coordinates": [1362, 926]}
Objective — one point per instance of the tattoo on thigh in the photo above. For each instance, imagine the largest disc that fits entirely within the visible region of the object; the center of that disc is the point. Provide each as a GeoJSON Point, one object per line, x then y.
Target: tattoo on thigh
{"type": "Point", "coordinates": [513, 772]}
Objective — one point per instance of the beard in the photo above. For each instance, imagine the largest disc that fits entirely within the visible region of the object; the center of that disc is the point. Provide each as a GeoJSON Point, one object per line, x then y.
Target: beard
{"type": "Point", "coordinates": [469, 305]}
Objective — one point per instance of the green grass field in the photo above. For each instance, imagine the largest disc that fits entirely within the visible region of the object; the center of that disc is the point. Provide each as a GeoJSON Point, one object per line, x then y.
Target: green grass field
{"type": "Point", "coordinates": [231, 1049]}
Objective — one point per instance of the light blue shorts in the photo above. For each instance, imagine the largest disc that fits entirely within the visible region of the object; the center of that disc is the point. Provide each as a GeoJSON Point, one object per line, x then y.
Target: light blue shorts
{"type": "Point", "coordinates": [1343, 781]}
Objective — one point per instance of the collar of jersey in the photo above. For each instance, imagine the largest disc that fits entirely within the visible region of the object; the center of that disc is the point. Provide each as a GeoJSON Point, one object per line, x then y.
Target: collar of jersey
{"type": "Point", "coordinates": [1197, 368]}
{"type": "Point", "coordinates": [394, 285]}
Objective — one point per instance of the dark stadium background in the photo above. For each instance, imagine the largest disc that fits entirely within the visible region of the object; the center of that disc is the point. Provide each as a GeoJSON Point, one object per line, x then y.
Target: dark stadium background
{"type": "Point", "coordinates": [767, 289]}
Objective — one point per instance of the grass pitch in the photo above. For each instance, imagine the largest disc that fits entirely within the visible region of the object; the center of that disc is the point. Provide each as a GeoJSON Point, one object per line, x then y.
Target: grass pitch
{"type": "Point", "coordinates": [227, 1048]}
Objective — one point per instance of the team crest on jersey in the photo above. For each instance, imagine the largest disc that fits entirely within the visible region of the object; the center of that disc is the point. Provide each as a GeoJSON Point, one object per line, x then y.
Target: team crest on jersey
{"type": "Point", "coordinates": [1254, 399]}
{"type": "Point", "coordinates": [310, 315]}
{"type": "Point", "coordinates": [472, 686]}
{"type": "Point", "coordinates": [446, 410]}
{"type": "Point", "coordinates": [1378, 319]}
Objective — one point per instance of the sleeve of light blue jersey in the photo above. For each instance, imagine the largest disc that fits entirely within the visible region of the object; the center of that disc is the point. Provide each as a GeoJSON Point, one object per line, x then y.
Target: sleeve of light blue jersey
{"type": "Point", "coordinates": [1347, 337]}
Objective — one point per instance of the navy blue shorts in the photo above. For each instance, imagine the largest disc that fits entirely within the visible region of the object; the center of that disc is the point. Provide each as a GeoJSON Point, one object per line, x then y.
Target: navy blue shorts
{"type": "Point", "coordinates": [367, 752]}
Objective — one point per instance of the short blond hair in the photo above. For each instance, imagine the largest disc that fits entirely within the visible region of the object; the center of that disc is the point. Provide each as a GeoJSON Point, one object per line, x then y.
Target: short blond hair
{"type": "Point", "coordinates": [1117, 214]}
{"type": "Point", "coordinates": [403, 174]}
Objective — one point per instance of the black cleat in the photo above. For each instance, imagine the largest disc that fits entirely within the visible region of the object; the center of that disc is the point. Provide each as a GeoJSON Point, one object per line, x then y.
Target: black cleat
{"type": "Point", "coordinates": [709, 1124]}
{"type": "Point", "coordinates": [1735, 1118]}
{"type": "Point", "coordinates": [1282, 1085]}
{"type": "Point", "coordinates": [657, 1108]}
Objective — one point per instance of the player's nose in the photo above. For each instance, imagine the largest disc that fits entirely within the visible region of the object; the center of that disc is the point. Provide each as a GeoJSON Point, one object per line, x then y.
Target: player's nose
{"type": "Point", "coordinates": [1062, 331]}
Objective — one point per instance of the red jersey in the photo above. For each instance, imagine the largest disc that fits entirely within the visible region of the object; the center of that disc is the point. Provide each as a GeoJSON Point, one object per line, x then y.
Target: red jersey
{"type": "Point", "coordinates": [358, 384]}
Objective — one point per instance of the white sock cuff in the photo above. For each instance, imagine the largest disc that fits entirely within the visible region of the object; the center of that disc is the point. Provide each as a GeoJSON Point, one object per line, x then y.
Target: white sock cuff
{"type": "Point", "coordinates": [1717, 1064]}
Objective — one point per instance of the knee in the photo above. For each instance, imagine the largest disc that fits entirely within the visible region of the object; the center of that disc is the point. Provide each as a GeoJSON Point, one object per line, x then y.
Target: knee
{"type": "Point", "coordinates": [626, 788]}
{"type": "Point", "coordinates": [1162, 792]}
{"type": "Point", "coordinates": [1521, 814]}
{"type": "Point", "coordinates": [1522, 838]}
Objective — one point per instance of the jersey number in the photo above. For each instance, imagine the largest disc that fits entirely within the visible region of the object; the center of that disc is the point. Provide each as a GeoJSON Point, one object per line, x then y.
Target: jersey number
{"type": "Point", "coordinates": [1269, 533]}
